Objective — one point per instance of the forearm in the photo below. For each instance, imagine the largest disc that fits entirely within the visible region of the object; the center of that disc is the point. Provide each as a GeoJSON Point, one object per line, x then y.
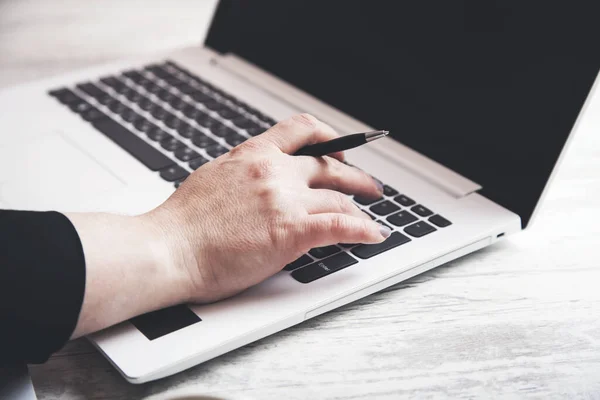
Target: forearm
{"type": "Point", "coordinates": [129, 270]}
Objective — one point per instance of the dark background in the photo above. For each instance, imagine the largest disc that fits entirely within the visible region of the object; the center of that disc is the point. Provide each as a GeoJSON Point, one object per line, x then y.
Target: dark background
{"type": "Point", "coordinates": [490, 89]}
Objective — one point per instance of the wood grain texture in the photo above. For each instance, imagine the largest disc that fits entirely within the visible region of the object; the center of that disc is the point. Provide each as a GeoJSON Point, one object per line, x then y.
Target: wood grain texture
{"type": "Point", "coordinates": [518, 320]}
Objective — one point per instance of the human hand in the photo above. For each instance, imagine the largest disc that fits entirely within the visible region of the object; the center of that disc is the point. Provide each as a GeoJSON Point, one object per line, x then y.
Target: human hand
{"type": "Point", "coordinates": [242, 217]}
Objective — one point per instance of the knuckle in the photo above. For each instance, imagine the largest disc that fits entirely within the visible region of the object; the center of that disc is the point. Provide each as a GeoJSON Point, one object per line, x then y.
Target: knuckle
{"type": "Point", "coordinates": [305, 119]}
{"type": "Point", "coordinates": [334, 168]}
{"type": "Point", "coordinates": [364, 229]}
{"type": "Point", "coordinates": [247, 146]}
{"type": "Point", "coordinates": [261, 169]}
{"type": "Point", "coordinates": [285, 125]}
{"type": "Point", "coordinates": [345, 206]}
{"type": "Point", "coordinates": [338, 224]}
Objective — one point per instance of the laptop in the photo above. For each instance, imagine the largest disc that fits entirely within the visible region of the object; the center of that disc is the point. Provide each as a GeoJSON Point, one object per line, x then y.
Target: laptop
{"type": "Point", "coordinates": [480, 99]}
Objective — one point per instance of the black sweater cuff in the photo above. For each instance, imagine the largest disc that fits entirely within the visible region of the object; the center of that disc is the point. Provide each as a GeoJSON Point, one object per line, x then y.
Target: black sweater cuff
{"type": "Point", "coordinates": [42, 284]}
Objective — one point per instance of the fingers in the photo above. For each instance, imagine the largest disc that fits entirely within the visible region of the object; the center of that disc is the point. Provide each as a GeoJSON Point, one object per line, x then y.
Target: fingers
{"type": "Point", "coordinates": [320, 201]}
{"type": "Point", "coordinates": [298, 131]}
{"type": "Point", "coordinates": [326, 229]}
{"type": "Point", "coordinates": [328, 173]}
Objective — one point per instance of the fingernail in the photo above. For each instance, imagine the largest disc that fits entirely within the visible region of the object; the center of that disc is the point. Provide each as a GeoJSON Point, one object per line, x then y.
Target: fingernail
{"type": "Point", "coordinates": [385, 231]}
{"type": "Point", "coordinates": [379, 185]}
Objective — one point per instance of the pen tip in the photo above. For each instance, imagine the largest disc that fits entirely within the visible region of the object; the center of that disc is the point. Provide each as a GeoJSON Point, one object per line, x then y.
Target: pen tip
{"type": "Point", "coordinates": [385, 133]}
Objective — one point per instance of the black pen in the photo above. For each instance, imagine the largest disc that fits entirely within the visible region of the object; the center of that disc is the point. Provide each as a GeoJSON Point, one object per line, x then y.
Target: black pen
{"type": "Point", "coordinates": [340, 144]}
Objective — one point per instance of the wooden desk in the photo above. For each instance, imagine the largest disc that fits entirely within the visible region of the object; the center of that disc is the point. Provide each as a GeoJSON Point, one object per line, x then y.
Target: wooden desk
{"type": "Point", "coordinates": [520, 319]}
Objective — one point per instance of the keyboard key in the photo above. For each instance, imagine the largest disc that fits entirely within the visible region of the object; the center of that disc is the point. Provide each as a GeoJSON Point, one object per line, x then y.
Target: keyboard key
{"type": "Point", "coordinates": [165, 95]}
{"type": "Point", "coordinates": [188, 131]}
{"type": "Point", "coordinates": [173, 173]}
{"type": "Point", "coordinates": [200, 96]}
{"type": "Point", "coordinates": [160, 113]}
{"type": "Point", "coordinates": [365, 251]}
{"type": "Point", "coordinates": [127, 92]}
{"type": "Point", "coordinates": [171, 144]}
{"type": "Point", "coordinates": [323, 268]}
{"type": "Point", "coordinates": [191, 111]}
{"type": "Point", "coordinates": [402, 218]}
{"type": "Point", "coordinates": [186, 89]}
{"type": "Point", "coordinates": [80, 106]}
{"type": "Point", "coordinates": [203, 119]}
{"type": "Point", "coordinates": [234, 139]}
{"type": "Point", "coordinates": [228, 113]}
{"type": "Point", "coordinates": [186, 154]}
{"type": "Point", "coordinates": [255, 130]}
{"type": "Point", "coordinates": [389, 191]}
{"type": "Point", "coordinates": [384, 208]}
{"type": "Point", "coordinates": [116, 107]}
{"type": "Point", "coordinates": [143, 125]}
{"type": "Point", "coordinates": [197, 162]}
{"type": "Point", "coordinates": [157, 70]}
{"type": "Point", "coordinates": [178, 104]}
{"type": "Point", "coordinates": [146, 104]}
{"type": "Point", "coordinates": [150, 86]}
{"type": "Point", "coordinates": [131, 143]}
{"type": "Point", "coordinates": [215, 126]}
{"type": "Point", "coordinates": [224, 131]}
{"type": "Point", "coordinates": [203, 141]}
{"type": "Point", "coordinates": [244, 123]}
{"type": "Point", "coordinates": [122, 88]}
{"type": "Point", "coordinates": [112, 82]}
{"type": "Point", "coordinates": [173, 122]}
{"type": "Point", "coordinates": [174, 81]}
{"type": "Point", "coordinates": [105, 100]}
{"type": "Point", "coordinates": [93, 114]}
{"type": "Point", "coordinates": [216, 151]}
{"type": "Point", "coordinates": [213, 105]}
{"type": "Point", "coordinates": [421, 210]}
{"type": "Point", "coordinates": [133, 96]}
{"type": "Point", "coordinates": [124, 110]}
{"type": "Point", "coordinates": [134, 76]}
{"type": "Point", "coordinates": [365, 201]}
{"type": "Point", "coordinates": [404, 200]}
{"type": "Point", "coordinates": [268, 120]}
{"type": "Point", "coordinates": [300, 262]}
{"type": "Point", "coordinates": [157, 134]}
{"type": "Point", "coordinates": [91, 89]}
{"type": "Point", "coordinates": [322, 252]}
{"type": "Point", "coordinates": [439, 221]}
{"type": "Point", "coordinates": [131, 116]}
{"type": "Point", "coordinates": [419, 229]}
{"type": "Point", "coordinates": [65, 96]}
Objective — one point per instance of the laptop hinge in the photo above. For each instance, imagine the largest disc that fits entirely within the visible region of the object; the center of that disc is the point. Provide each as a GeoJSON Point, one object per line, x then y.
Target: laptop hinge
{"type": "Point", "coordinates": [436, 174]}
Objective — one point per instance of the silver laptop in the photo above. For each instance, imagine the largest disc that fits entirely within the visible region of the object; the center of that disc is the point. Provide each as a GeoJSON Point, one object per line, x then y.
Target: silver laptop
{"type": "Point", "coordinates": [480, 103]}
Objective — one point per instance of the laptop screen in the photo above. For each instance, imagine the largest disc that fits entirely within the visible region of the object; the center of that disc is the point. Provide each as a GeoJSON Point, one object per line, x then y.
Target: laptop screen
{"type": "Point", "coordinates": [490, 89]}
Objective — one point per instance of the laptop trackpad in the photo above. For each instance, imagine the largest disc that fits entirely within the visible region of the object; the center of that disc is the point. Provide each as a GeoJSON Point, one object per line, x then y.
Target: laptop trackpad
{"type": "Point", "coordinates": [51, 173]}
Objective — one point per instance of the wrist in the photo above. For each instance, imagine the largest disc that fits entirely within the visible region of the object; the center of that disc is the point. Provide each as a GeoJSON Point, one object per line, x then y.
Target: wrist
{"type": "Point", "coordinates": [168, 254]}
{"type": "Point", "coordinates": [130, 269]}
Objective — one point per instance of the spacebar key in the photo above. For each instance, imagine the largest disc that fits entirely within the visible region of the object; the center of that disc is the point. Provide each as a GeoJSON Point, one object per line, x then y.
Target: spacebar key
{"type": "Point", "coordinates": [148, 155]}
{"type": "Point", "coordinates": [370, 250]}
{"type": "Point", "coordinates": [323, 267]}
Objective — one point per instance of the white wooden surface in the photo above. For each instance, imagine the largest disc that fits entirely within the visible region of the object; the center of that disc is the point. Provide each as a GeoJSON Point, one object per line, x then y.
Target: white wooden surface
{"type": "Point", "coordinates": [521, 319]}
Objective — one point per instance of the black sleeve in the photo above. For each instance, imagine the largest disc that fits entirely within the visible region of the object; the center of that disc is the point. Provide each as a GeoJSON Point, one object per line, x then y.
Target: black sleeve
{"type": "Point", "coordinates": [42, 282]}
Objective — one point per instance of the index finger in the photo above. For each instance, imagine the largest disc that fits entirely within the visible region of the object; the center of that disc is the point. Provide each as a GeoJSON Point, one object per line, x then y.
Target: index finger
{"type": "Point", "coordinates": [301, 130]}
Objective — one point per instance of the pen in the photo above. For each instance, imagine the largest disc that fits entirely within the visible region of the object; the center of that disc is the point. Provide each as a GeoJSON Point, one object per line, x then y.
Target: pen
{"type": "Point", "coordinates": [340, 144]}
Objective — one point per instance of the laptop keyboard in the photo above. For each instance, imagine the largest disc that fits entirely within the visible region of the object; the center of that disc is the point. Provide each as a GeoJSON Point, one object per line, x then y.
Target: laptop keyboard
{"type": "Point", "coordinates": [174, 122]}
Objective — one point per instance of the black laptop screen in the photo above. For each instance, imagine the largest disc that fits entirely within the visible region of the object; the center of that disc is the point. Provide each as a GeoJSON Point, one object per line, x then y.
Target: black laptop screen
{"type": "Point", "coordinates": [490, 89]}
